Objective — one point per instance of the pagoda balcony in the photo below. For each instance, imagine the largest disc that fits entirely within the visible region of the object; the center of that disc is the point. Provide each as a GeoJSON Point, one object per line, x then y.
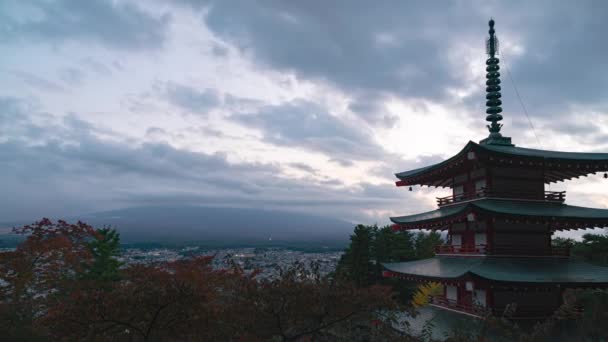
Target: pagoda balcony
{"type": "Point", "coordinates": [476, 310]}
{"type": "Point", "coordinates": [453, 305]}
{"type": "Point", "coordinates": [499, 250]}
{"type": "Point", "coordinates": [461, 249]}
{"type": "Point", "coordinates": [548, 196]}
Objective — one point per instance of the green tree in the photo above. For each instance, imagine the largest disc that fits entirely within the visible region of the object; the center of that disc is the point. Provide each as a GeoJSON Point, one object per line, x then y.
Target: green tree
{"type": "Point", "coordinates": [402, 247]}
{"type": "Point", "coordinates": [593, 248]}
{"type": "Point", "coordinates": [563, 242]}
{"type": "Point", "coordinates": [391, 246]}
{"type": "Point", "coordinates": [360, 257]}
{"type": "Point", "coordinates": [425, 244]}
{"type": "Point", "coordinates": [105, 250]}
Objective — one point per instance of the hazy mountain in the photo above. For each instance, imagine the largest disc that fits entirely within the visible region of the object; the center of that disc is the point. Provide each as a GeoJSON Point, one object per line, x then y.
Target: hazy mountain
{"type": "Point", "coordinates": [223, 226]}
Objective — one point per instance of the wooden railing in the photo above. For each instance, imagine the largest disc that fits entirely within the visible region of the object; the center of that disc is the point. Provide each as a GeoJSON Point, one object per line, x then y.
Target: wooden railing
{"type": "Point", "coordinates": [455, 305]}
{"type": "Point", "coordinates": [487, 250]}
{"type": "Point", "coordinates": [517, 311]}
{"type": "Point", "coordinates": [550, 196]}
{"type": "Point", "coordinates": [549, 251]}
{"type": "Point", "coordinates": [461, 249]}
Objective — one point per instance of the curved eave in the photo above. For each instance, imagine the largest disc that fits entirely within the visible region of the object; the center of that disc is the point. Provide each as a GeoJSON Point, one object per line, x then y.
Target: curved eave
{"type": "Point", "coordinates": [558, 216]}
{"type": "Point", "coordinates": [558, 165]}
{"type": "Point", "coordinates": [434, 175]}
{"type": "Point", "coordinates": [502, 269]}
{"type": "Point", "coordinates": [436, 219]}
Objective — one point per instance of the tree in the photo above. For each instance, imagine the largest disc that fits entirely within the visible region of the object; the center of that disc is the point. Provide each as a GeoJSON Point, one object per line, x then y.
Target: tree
{"type": "Point", "coordinates": [563, 242]}
{"type": "Point", "coordinates": [360, 259]}
{"type": "Point", "coordinates": [371, 246]}
{"type": "Point", "coordinates": [391, 246]}
{"type": "Point", "coordinates": [181, 300]}
{"type": "Point", "coordinates": [41, 271]}
{"type": "Point", "coordinates": [303, 305]}
{"type": "Point", "coordinates": [425, 292]}
{"type": "Point", "coordinates": [64, 283]}
{"type": "Point", "coordinates": [426, 243]}
{"type": "Point", "coordinates": [105, 250]}
{"type": "Point", "coordinates": [593, 248]}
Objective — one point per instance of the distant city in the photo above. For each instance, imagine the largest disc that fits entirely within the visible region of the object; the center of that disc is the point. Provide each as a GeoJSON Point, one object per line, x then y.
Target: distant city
{"type": "Point", "coordinates": [268, 261]}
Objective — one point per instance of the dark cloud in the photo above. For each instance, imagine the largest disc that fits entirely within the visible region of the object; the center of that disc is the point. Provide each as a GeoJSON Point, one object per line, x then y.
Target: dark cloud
{"type": "Point", "coordinates": [373, 112]}
{"type": "Point", "coordinates": [342, 41]}
{"type": "Point", "coordinates": [308, 125]}
{"type": "Point", "coordinates": [367, 49]}
{"type": "Point", "coordinates": [117, 24]}
{"type": "Point", "coordinates": [342, 162]}
{"type": "Point", "coordinates": [95, 66]}
{"type": "Point", "coordinates": [303, 167]}
{"type": "Point", "coordinates": [71, 76]}
{"type": "Point", "coordinates": [191, 99]}
{"type": "Point", "coordinates": [565, 56]}
{"type": "Point", "coordinates": [66, 169]}
{"type": "Point", "coordinates": [413, 50]}
{"type": "Point", "coordinates": [38, 82]}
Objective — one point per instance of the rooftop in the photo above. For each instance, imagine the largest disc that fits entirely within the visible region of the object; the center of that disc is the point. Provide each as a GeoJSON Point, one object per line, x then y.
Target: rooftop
{"type": "Point", "coordinates": [505, 269]}
{"type": "Point", "coordinates": [558, 165]}
{"type": "Point", "coordinates": [560, 216]}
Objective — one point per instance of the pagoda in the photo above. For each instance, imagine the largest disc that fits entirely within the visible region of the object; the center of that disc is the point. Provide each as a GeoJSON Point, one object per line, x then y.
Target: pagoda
{"type": "Point", "coordinates": [499, 221]}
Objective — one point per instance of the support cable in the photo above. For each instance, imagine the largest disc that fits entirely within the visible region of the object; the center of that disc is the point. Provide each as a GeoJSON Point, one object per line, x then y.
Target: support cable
{"type": "Point", "coordinates": [523, 106]}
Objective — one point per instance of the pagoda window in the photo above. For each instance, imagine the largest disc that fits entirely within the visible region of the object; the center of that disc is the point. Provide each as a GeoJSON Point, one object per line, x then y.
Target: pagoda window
{"type": "Point", "coordinates": [458, 192]}
{"type": "Point", "coordinates": [456, 239]}
{"type": "Point", "coordinates": [479, 298]}
{"type": "Point", "coordinates": [480, 185]}
{"type": "Point", "coordinates": [461, 178]}
{"type": "Point", "coordinates": [481, 239]}
{"type": "Point", "coordinates": [451, 293]}
{"type": "Point", "coordinates": [478, 173]}
{"type": "Point", "coordinates": [458, 227]}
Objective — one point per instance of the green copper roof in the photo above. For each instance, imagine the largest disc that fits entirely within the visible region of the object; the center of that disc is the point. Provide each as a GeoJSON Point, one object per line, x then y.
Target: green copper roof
{"type": "Point", "coordinates": [422, 170]}
{"type": "Point", "coordinates": [443, 212]}
{"type": "Point", "coordinates": [540, 209]}
{"type": "Point", "coordinates": [537, 210]}
{"type": "Point", "coordinates": [529, 270]}
{"type": "Point", "coordinates": [547, 157]}
{"type": "Point", "coordinates": [554, 155]}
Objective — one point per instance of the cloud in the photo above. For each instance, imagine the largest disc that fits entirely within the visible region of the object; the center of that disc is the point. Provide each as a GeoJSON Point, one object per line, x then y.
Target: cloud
{"type": "Point", "coordinates": [303, 167]}
{"type": "Point", "coordinates": [373, 112]}
{"type": "Point", "coordinates": [38, 82]}
{"type": "Point", "coordinates": [116, 24]}
{"type": "Point", "coordinates": [339, 43]}
{"type": "Point", "coordinates": [307, 125]}
{"type": "Point", "coordinates": [65, 168]}
{"type": "Point", "coordinates": [99, 68]}
{"type": "Point", "coordinates": [71, 76]}
{"type": "Point", "coordinates": [192, 99]}
{"type": "Point", "coordinates": [331, 89]}
{"type": "Point", "coordinates": [342, 162]}
{"type": "Point", "coordinates": [413, 50]}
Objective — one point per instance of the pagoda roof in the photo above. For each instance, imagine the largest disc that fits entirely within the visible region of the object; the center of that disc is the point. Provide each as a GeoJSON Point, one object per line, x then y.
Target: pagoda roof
{"type": "Point", "coordinates": [505, 269]}
{"type": "Point", "coordinates": [560, 216]}
{"type": "Point", "coordinates": [558, 165]}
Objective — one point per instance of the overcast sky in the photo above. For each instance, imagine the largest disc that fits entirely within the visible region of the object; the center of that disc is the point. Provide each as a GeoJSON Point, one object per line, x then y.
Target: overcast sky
{"type": "Point", "coordinates": [297, 105]}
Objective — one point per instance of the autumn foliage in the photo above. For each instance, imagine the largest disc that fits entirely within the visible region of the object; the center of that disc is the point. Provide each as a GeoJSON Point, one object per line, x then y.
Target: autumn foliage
{"type": "Point", "coordinates": [64, 282]}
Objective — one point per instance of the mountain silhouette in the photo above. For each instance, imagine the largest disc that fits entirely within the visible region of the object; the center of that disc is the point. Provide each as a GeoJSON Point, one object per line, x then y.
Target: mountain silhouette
{"type": "Point", "coordinates": [218, 225]}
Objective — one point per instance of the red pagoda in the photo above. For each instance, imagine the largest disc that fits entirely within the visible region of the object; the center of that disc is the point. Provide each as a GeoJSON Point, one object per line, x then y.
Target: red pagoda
{"type": "Point", "coordinates": [499, 221]}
